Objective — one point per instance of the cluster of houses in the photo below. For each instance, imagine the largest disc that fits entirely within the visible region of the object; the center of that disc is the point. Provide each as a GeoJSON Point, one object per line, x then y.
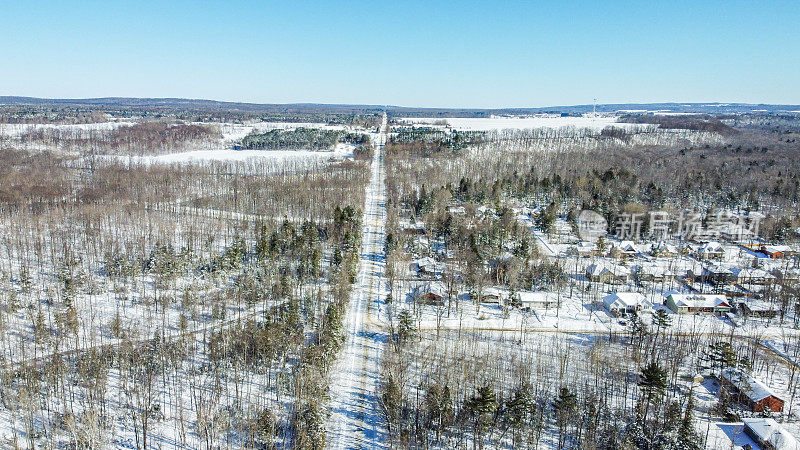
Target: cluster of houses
{"type": "Point", "coordinates": [435, 292]}
{"type": "Point", "coordinates": [691, 278]}
{"type": "Point", "coordinates": [713, 284]}
{"type": "Point", "coordinates": [622, 303]}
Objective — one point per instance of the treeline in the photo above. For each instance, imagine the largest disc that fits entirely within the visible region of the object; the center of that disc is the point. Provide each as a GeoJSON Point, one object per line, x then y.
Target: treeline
{"type": "Point", "coordinates": [301, 139]}
{"type": "Point", "coordinates": [199, 111]}
{"type": "Point", "coordinates": [681, 122]}
{"type": "Point", "coordinates": [142, 138]}
{"type": "Point", "coordinates": [437, 139]}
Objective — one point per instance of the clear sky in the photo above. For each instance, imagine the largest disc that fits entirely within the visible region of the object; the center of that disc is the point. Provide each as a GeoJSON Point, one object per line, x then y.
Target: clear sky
{"type": "Point", "coordinates": [414, 53]}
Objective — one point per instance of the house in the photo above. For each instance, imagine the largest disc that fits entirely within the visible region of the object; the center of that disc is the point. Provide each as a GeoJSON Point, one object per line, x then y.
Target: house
{"type": "Point", "coordinates": [756, 308]}
{"type": "Point", "coordinates": [431, 293]}
{"type": "Point", "coordinates": [750, 392]}
{"type": "Point", "coordinates": [653, 273]}
{"type": "Point", "coordinates": [776, 251]}
{"type": "Point", "coordinates": [426, 267]}
{"type": "Point", "coordinates": [611, 274]}
{"type": "Point", "coordinates": [528, 300]}
{"type": "Point", "coordinates": [664, 250]}
{"type": "Point", "coordinates": [718, 274]}
{"type": "Point", "coordinates": [493, 296]}
{"type": "Point", "coordinates": [457, 210]}
{"type": "Point", "coordinates": [750, 275]}
{"type": "Point", "coordinates": [412, 227]}
{"type": "Point", "coordinates": [626, 248]}
{"type": "Point", "coordinates": [767, 433]}
{"type": "Point", "coordinates": [698, 303]}
{"type": "Point", "coordinates": [620, 303]}
{"type": "Point", "coordinates": [710, 250]}
{"type": "Point", "coordinates": [485, 212]}
{"type": "Point", "coordinates": [586, 249]}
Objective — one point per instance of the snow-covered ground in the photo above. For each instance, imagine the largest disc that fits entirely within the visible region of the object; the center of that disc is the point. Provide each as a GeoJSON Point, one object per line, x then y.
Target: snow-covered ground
{"type": "Point", "coordinates": [232, 132]}
{"type": "Point", "coordinates": [341, 151]}
{"type": "Point", "coordinates": [503, 123]}
{"type": "Point", "coordinates": [356, 419]}
{"type": "Point", "coordinates": [16, 129]}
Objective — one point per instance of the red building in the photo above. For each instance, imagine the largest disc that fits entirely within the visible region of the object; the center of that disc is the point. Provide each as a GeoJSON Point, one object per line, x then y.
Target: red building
{"type": "Point", "coordinates": [751, 392]}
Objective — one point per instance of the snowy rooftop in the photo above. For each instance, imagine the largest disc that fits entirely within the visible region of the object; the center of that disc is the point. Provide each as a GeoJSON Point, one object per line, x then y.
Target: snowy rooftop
{"type": "Point", "coordinates": [627, 299]}
{"type": "Point", "coordinates": [752, 388]}
{"type": "Point", "coordinates": [699, 300]}
{"type": "Point", "coordinates": [768, 430]}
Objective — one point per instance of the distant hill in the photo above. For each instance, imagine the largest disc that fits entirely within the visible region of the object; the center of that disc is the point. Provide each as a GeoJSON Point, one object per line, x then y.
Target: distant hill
{"type": "Point", "coordinates": [304, 108]}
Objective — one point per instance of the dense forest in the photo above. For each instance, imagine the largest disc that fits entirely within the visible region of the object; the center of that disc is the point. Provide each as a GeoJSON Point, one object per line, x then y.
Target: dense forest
{"type": "Point", "coordinates": [301, 139]}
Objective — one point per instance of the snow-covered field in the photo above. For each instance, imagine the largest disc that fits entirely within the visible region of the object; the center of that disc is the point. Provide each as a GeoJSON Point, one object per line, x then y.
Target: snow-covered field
{"type": "Point", "coordinates": [232, 132]}
{"type": "Point", "coordinates": [341, 151]}
{"type": "Point", "coordinates": [520, 123]}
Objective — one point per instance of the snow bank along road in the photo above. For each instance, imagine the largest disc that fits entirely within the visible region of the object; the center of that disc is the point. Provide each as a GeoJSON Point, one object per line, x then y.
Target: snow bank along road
{"type": "Point", "coordinates": [356, 420]}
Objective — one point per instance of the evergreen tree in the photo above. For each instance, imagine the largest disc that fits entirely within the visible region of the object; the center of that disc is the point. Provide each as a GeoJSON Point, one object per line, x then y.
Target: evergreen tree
{"type": "Point", "coordinates": [480, 406]}
{"type": "Point", "coordinates": [687, 436]}
{"type": "Point", "coordinates": [564, 407]}
{"type": "Point", "coordinates": [653, 382]}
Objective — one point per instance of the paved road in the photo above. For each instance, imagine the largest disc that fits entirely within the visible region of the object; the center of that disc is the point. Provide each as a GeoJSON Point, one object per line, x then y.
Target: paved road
{"type": "Point", "coordinates": [356, 420]}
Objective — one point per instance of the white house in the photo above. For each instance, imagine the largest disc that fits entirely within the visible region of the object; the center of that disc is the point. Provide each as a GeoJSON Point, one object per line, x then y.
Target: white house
{"type": "Point", "coordinates": [698, 303]}
{"type": "Point", "coordinates": [536, 300]}
{"type": "Point", "coordinates": [750, 275]}
{"type": "Point", "coordinates": [664, 249]}
{"type": "Point", "coordinates": [769, 434]}
{"type": "Point", "coordinates": [710, 250]}
{"type": "Point", "coordinates": [619, 303]}
{"type": "Point", "coordinates": [426, 266]}
{"type": "Point", "coordinates": [654, 272]}
{"type": "Point", "coordinates": [612, 274]}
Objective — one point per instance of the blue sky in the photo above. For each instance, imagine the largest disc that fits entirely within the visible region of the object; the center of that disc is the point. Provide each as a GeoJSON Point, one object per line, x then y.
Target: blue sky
{"type": "Point", "coordinates": [415, 53]}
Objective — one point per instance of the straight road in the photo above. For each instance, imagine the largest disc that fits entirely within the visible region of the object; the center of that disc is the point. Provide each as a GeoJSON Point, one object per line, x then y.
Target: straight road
{"type": "Point", "coordinates": [356, 420]}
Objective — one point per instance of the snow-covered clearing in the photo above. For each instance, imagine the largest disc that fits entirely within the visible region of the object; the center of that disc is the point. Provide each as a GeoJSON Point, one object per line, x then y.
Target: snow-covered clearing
{"type": "Point", "coordinates": [341, 151]}
{"type": "Point", "coordinates": [520, 123]}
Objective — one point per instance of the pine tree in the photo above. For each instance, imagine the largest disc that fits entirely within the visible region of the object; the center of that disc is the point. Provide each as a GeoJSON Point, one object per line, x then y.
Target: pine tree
{"type": "Point", "coordinates": [405, 327]}
{"type": "Point", "coordinates": [687, 436]}
{"type": "Point", "coordinates": [517, 409]}
{"type": "Point", "coordinates": [564, 407]}
{"type": "Point", "coordinates": [719, 357]}
{"type": "Point", "coordinates": [653, 382]}
{"type": "Point", "coordinates": [480, 405]}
